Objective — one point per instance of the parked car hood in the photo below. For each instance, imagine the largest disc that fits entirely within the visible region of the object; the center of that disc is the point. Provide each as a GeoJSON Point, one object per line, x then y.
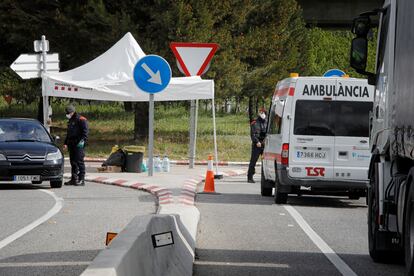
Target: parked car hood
{"type": "Point", "coordinates": [30, 148]}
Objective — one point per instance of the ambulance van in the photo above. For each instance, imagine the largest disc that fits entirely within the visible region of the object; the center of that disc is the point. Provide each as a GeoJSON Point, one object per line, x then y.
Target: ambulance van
{"type": "Point", "coordinates": [317, 137]}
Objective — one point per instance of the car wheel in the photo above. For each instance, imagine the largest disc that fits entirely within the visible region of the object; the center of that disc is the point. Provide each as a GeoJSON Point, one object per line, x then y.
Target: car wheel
{"type": "Point", "coordinates": [280, 198]}
{"type": "Point", "coordinates": [37, 182]}
{"type": "Point", "coordinates": [264, 186]}
{"type": "Point", "coordinates": [354, 195]}
{"type": "Point", "coordinates": [56, 183]}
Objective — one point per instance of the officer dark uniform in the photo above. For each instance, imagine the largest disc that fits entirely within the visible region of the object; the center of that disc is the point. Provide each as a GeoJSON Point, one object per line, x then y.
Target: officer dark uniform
{"type": "Point", "coordinates": [257, 134]}
{"type": "Point", "coordinates": [76, 139]}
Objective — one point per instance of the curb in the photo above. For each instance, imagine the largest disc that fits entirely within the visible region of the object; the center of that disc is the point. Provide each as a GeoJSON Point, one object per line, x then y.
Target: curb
{"type": "Point", "coordinates": [164, 196]}
{"type": "Point", "coordinates": [183, 162]}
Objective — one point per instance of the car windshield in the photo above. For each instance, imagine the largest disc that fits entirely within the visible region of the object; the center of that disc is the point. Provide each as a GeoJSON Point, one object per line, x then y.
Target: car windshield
{"type": "Point", "coordinates": [12, 131]}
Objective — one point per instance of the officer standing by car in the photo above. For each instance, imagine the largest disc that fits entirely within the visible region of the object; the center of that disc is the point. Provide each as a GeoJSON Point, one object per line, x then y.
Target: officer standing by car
{"type": "Point", "coordinates": [257, 134]}
{"type": "Point", "coordinates": [76, 139]}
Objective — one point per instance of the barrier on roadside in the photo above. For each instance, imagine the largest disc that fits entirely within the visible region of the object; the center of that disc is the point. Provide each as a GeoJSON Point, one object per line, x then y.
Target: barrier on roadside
{"type": "Point", "coordinates": [149, 245]}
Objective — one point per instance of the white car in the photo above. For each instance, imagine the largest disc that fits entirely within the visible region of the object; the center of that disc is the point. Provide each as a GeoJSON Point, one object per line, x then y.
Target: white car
{"type": "Point", "coordinates": [317, 136]}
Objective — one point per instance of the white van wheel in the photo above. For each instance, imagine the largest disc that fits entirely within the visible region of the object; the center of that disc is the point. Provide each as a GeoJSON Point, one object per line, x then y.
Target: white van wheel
{"type": "Point", "coordinates": [264, 186]}
{"type": "Point", "coordinates": [280, 198]}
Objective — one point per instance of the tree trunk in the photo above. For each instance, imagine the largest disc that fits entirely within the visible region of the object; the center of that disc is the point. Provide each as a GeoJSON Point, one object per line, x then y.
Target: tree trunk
{"type": "Point", "coordinates": [128, 106]}
{"type": "Point", "coordinates": [251, 108]}
{"type": "Point", "coordinates": [141, 121]}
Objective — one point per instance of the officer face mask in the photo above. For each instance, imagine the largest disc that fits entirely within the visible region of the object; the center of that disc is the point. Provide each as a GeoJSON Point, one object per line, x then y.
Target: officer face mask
{"type": "Point", "coordinates": [69, 115]}
{"type": "Point", "coordinates": [262, 115]}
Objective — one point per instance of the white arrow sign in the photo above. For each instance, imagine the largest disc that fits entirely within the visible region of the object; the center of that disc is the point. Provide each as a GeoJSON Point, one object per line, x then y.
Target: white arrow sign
{"type": "Point", "coordinates": [155, 77]}
{"type": "Point", "coordinates": [29, 66]}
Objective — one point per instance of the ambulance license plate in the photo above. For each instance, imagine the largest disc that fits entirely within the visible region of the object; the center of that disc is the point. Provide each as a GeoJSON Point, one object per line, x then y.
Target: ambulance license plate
{"type": "Point", "coordinates": [26, 178]}
{"type": "Point", "coordinates": [311, 154]}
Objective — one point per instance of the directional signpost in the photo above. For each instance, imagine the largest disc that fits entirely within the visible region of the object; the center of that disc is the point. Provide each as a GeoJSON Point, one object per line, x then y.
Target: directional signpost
{"type": "Point", "coordinates": [29, 66]}
{"type": "Point", "coordinates": [152, 74]}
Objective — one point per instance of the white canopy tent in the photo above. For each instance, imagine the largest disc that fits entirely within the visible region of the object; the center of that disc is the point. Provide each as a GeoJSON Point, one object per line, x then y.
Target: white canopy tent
{"type": "Point", "coordinates": [109, 77]}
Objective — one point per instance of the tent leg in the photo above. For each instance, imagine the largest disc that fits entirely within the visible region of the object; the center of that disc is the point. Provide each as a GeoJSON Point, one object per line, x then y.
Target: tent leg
{"type": "Point", "coordinates": [217, 174]}
{"type": "Point", "coordinates": [193, 133]}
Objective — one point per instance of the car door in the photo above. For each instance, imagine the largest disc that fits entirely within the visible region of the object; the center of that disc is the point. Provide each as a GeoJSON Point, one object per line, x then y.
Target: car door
{"type": "Point", "coordinates": [352, 154]}
{"type": "Point", "coordinates": [312, 133]}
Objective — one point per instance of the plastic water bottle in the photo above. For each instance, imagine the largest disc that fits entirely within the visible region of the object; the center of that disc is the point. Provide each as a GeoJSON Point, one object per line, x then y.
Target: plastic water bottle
{"type": "Point", "coordinates": [166, 164]}
{"type": "Point", "coordinates": [144, 165]}
{"type": "Point", "coordinates": [157, 164]}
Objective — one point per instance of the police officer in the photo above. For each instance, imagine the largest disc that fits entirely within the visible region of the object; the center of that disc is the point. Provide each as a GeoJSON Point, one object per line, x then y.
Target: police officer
{"type": "Point", "coordinates": [76, 139]}
{"type": "Point", "coordinates": [257, 134]}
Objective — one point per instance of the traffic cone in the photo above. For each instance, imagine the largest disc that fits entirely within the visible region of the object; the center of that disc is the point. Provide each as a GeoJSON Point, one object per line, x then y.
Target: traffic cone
{"type": "Point", "coordinates": [209, 182]}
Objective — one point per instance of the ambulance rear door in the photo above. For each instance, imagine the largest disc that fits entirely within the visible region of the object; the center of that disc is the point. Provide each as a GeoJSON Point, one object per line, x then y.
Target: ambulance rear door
{"type": "Point", "coordinates": [311, 145]}
{"type": "Point", "coordinates": [352, 105]}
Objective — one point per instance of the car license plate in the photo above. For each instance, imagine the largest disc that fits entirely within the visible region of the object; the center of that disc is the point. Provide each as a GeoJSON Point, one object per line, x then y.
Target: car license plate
{"type": "Point", "coordinates": [311, 154]}
{"type": "Point", "coordinates": [27, 178]}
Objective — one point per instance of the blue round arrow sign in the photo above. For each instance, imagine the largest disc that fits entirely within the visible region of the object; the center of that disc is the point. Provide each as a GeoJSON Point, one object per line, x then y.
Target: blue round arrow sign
{"type": "Point", "coordinates": [152, 74]}
{"type": "Point", "coordinates": [334, 73]}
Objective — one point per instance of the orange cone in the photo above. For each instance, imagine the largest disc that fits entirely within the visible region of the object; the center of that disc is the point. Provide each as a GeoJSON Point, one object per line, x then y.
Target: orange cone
{"type": "Point", "coordinates": [209, 183]}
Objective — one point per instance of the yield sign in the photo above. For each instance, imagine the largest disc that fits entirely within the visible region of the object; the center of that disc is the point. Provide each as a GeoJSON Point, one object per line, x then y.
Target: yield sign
{"type": "Point", "coordinates": [194, 58]}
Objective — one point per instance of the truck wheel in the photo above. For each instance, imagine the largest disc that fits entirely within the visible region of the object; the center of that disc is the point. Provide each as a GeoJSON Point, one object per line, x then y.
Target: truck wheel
{"type": "Point", "coordinates": [264, 186]}
{"type": "Point", "coordinates": [409, 231]}
{"type": "Point", "coordinates": [56, 183]}
{"type": "Point", "coordinates": [280, 198]}
{"type": "Point", "coordinates": [354, 195]}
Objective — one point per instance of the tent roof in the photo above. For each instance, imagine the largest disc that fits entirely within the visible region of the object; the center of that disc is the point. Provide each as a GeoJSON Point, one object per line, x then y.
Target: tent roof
{"type": "Point", "coordinates": [109, 77]}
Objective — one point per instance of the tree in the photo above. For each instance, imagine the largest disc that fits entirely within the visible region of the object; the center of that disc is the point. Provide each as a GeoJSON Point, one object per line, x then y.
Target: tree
{"type": "Point", "coordinates": [330, 49]}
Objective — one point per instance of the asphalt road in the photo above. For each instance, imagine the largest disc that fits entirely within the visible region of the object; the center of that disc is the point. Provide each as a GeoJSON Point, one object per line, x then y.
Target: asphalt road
{"type": "Point", "coordinates": [72, 227]}
{"type": "Point", "coordinates": [243, 233]}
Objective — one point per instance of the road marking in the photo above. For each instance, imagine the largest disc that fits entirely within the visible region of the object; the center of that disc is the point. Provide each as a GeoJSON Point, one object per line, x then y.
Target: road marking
{"type": "Point", "coordinates": [343, 268]}
{"type": "Point", "coordinates": [262, 265]}
{"type": "Point", "coordinates": [35, 264]}
{"type": "Point", "coordinates": [56, 208]}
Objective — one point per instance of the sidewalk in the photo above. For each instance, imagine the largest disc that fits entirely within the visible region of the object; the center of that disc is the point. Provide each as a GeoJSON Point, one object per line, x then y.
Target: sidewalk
{"type": "Point", "coordinates": [175, 191]}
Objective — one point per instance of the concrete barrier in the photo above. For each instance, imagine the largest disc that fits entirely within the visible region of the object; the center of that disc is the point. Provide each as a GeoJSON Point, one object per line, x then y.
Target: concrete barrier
{"type": "Point", "coordinates": [132, 251]}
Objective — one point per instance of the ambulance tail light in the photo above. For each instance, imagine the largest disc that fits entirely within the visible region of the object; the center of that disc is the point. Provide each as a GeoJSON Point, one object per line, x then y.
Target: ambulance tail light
{"type": "Point", "coordinates": [285, 154]}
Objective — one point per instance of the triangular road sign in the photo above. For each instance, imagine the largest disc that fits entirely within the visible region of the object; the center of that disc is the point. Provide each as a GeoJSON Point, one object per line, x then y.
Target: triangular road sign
{"type": "Point", "coordinates": [194, 58]}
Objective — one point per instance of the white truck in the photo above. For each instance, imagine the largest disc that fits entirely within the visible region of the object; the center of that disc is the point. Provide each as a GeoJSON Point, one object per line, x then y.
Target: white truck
{"type": "Point", "coordinates": [391, 190]}
{"type": "Point", "coordinates": [317, 137]}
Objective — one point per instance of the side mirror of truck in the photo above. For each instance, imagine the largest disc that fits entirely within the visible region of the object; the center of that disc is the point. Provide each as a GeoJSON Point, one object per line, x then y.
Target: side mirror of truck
{"type": "Point", "coordinates": [359, 54]}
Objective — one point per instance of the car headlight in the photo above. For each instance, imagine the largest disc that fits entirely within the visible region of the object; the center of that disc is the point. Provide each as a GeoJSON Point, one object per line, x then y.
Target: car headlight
{"type": "Point", "coordinates": [2, 157]}
{"type": "Point", "coordinates": [54, 156]}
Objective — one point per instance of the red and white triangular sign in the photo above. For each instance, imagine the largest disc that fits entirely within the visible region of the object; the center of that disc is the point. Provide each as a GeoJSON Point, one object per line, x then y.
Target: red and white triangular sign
{"type": "Point", "coordinates": [193, 58]}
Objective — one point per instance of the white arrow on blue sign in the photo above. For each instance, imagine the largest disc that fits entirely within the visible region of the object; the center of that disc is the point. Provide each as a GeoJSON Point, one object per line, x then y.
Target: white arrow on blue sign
{"type": "Point", "coordinates": [334, 73]}
{"type": "Point", "coordinates": [152, 74]}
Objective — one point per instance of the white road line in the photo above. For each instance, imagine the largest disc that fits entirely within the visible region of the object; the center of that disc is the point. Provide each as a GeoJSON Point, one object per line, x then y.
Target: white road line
{"type": "Point", "coordinates": [262, 265]}
{"type": "Point", "coordinates": [56, 208]}
{"type": "Point", "coordinates": [35, 264]}
{"type": "Point", "coordinates": [343, 268]}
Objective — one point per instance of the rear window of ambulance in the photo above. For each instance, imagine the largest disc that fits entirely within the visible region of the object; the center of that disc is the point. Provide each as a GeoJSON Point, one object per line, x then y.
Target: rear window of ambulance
{"type": "Point", "coordinates": [332, 118]}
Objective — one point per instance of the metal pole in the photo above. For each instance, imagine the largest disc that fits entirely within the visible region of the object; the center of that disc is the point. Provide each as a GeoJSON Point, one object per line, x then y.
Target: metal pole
{"type": "Point", "coordinates": [151, 135]}
{"type": "Point", "coordinates": [45, 98]}
{"type": "Point", "coordinates": [195, 128]}
{"type": "Point", "coordinates": [191, 150]}
{"type": "Point", "coordinates": [215, 135]}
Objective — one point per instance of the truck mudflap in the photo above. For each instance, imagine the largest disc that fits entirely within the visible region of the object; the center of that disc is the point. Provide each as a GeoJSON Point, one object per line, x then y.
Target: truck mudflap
{"type": "Point", "coordinates": [388, 241]}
